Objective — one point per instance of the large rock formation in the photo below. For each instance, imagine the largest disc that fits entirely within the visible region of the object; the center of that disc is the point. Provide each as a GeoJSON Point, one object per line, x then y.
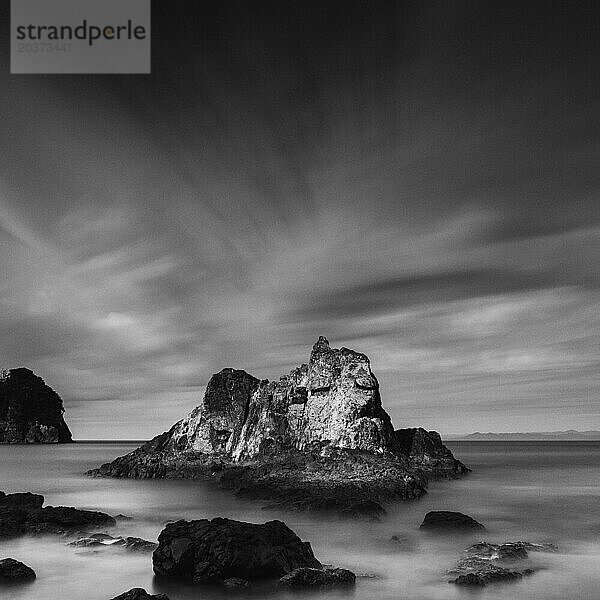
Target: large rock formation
{"type": "Point", "coordinates": [316, 438]}
{"type": "Point", "coordinates": [30, 411]}
{"type": "Point", "coordinates": [333, 401]}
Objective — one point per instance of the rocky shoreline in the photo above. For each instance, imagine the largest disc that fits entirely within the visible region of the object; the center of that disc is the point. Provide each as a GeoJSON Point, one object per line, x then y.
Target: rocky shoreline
{"type": "Point", "coordinates": [316, 439]}
{"type": "Point", "coordinates": [25, 513]}
{"type": "Point", "coordinates": [236, 554]}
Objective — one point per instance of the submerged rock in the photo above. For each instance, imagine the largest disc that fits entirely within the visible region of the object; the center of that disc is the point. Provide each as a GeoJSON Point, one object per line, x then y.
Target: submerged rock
{"type": "Point", "coordinates": [486, 563]}
{"type": "Point", "coordinates": [12, 570]}
{"type": "Point", "coordinates": [22, 514]}
{"type": "Point", "coordinates": [103, 539]}
{"type": "Point", "coordinates": [140, 594]}
{"type": "Point", "coordinates": [210, 551]}
{"type": "Point", "coordinates": [508, 550]}
{"type": "Point", "coordinates": [316, 439]}
{"type": "Point", "coordinates": [31, 412]}
{"type": "Point", "coordinates": [480, 572]}
{"type": "Point", "coordinates": [235, 582]}
{"type": "Point", "coordinates": [449, 521]}
{"type": "Point", "coordinates": [307, 577]}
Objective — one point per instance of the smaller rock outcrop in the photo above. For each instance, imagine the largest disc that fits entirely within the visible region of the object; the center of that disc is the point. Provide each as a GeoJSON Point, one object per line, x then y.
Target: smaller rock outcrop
{"type": "Point", "coordinates": [107, 541]}
{"type": "Point", "coordinates": [307, 577]}
{"type": "Point", "coordinates": [31, 412]}
{"type": "Point", "coordinates": [12, 570]}
{"type": "Point", "coordinates": [140, 594]}
{"type": "Point", "coordinates": [23, 513]}
{"type": "Point", "coordinates": [426, 451]}
{"type": "Point", "coordinates": [235, 582]}
{"type": "Point", "coordinates": [211, 551]}
{"type": "Point", "coordinates": [486, 563]}
{"type": "Point", "coordinates": [449, 521]}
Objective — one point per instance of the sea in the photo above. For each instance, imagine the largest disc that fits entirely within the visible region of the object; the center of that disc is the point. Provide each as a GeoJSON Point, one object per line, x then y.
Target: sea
{"type": "Point", "coordinates": [531, 491]}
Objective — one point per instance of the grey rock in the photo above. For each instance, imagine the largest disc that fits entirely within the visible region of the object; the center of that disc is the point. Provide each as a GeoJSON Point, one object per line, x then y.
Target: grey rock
{"type": "Point", "coordinates": [107, 541]}
{"type": "Point", "coordinates": [426, 451]}
{"type": "Point", "coordinates": [307, 577]}
{"type": "Point", "coordinates": [31, 412]}
{"type": "Point", "coordinates": [12, 570]}
{"type": "Point", "coordinates": [210, 551]}
{"type": "Point", "coordinates": [24, 513]}
{"type": "Point", "coordinates": [24, 500]}
{"type": "Point", "coordinates": [449, 521]}
{"type": "Point", "coordinates": [487, 563]}
{"type": "Point", "coordinates": [334, 400]}
{"type": "Point", "coordinates": [316, 439]}
{"type": "Point", "coordinates": [140, 594]}
{"type": "Point", "coordinates": [508, 550]}
{"type": "Point", "coordinates": [235, 582]}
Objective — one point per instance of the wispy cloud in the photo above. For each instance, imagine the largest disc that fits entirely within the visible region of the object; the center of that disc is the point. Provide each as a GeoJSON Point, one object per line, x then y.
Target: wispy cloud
{"type": "Point", "coordinates": [376, 181]}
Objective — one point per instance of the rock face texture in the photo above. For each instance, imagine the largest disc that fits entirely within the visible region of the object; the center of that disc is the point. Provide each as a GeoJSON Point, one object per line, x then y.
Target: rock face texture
{"type": "Point", "coordinates": [24, 513]}
{"type": "Point", "coordinates": [103, 540]}
{"type": "Point", "coordinates": [447, 521]}
{"type": "Point", "coordinates": [30, 411]}
{"type": "Point", "coordinates": [140, 594]}
{"type": "Point", "coordinates": [214, 551]}
{"type": "Point", "coordinates": [318, 438]}
{"type": "Point", "coordinates": [12, 570]}
{"type": "Point", "coordinates": [332, 401]}
{"type": "Point", "coordinates": [317, 578]}
{"type": "Point", "coordinates": [486, 563]}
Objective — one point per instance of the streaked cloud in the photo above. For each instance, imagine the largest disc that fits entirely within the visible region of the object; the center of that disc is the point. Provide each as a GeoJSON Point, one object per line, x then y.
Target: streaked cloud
{"type": "Point", "coordinates": [377, 181]}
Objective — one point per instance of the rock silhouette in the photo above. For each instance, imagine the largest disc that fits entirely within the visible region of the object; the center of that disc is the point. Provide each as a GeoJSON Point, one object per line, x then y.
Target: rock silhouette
{"type": "Point", "coordinates": [24, 513]}
{"type": "Point", "coordinates": [31, 412]}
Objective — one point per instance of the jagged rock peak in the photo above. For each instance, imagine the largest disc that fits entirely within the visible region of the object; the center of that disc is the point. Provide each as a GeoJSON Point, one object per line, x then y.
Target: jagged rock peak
{"type": "Point", "coordinates": [30, 411]}
{"type": "Point", "coordinates": [321, 345]}
{"type": "Point", "coordinates": [333, 401]}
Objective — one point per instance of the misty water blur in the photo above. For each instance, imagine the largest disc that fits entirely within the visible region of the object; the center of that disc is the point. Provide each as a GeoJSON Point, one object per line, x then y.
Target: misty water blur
{"type": "Point", "coordinates": [530, 491]}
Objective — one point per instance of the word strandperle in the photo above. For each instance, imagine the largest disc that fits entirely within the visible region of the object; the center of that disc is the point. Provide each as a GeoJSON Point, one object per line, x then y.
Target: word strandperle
{"type": "Point", "coordinates": [91, 33]}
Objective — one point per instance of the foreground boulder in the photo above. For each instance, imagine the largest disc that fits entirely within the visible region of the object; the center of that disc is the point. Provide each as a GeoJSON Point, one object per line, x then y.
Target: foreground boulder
{"type": "Point", "coordinates": [307, 577]}
{"type": "Point", "coordinates": [24, 513]}
{"type": "Point", "coordinates": [140, 594]}
{"type": "Point", "coordinates": [107, 541]}
{"type": "Point", "coordinates": [30, 411]}
{"type": "Point", "coordinates": [210, 551]}
{"type": "Point", "coordinates": [449, 521]}
{"type": "Point", "coordinates": [12, 570]}
{"type": "Point", "coordinates": [316, 439]}
{"type": "Point", "coordinates": [487, 563]}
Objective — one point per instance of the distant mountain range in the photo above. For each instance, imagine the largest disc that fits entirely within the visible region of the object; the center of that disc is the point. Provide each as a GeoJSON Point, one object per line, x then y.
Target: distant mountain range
{"type": "Point", "coordinates": [569, 435]}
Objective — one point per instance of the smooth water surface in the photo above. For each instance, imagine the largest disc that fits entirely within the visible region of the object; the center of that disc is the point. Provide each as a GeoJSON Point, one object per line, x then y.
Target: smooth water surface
{"type": "Point", "coordinates": [530, 491]}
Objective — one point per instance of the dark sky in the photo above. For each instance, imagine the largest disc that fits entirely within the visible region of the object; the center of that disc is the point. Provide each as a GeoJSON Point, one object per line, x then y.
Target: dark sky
{"type": "Point", "coordinates": [419, 181]}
